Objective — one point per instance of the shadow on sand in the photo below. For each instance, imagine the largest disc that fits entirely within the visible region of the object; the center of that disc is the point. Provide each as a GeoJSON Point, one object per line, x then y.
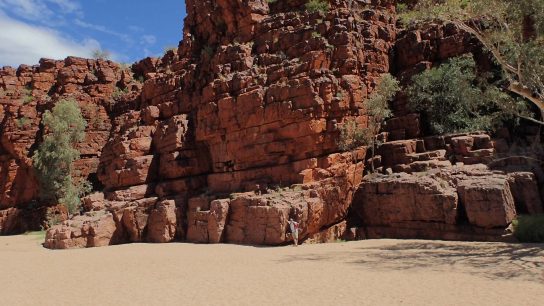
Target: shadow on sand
{"type": "Point", "coordinates": [490, 260]}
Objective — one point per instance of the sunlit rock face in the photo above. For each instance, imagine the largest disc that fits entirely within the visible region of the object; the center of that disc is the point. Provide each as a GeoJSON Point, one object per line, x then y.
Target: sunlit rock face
{"type": "Point", "coordinates": [236, 131]}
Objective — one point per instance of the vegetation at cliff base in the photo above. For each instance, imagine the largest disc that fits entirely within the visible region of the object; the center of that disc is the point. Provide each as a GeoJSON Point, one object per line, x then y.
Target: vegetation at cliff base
{"type": "Point", "coordinates": [453, 98]}
{"type": "Point", "coordinates": [352, 134]}
{"type": "Point", "coordinates": [529, 228]}
{"type": "Point", "coordinates": [512, 32]}
{"type": "Point", "coordinates": [53, 161]}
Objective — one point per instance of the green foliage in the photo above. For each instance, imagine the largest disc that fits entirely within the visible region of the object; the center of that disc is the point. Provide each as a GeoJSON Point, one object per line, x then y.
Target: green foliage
{"type": "Point", "coordinates": [92, 111]}
{"type": "Point", "coordinates": [314, 6]}
{"type": "Point", "coordinates": [101, 54]}
{"type": "Point", "coordinates": [352, 134]}
{"type": "Point", "coordinates": [378, 103]}
{"type": "Point", "coordinates": [271, 1]}
{"type": "Point", "coordinates": [53, 161]}
{"type": "Point", "coordinates": [453, 99]}
{"type": "Point", "coordinates": [316, 35]}
{"type": "Point", "coordinates": [118, 93]}
{"type": "Point", "coordinates": [402, 8]}
{"type": "Point", "coordinates": [28, 99]}
{"type": "Point", "coordinates": [428, 10]}
{"type": "Point", "coordinates": [513, 31]}
{"type": "Point", "coordinates": [22, 122]}
{"type": "Point", "coordinates": [38, 235]}
{"type": "Point", "coordinates": [529, 228]}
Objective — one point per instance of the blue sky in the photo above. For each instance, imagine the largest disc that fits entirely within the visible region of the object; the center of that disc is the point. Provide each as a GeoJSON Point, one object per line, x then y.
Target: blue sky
{"type": "Point", "coordinates": [129, 29]}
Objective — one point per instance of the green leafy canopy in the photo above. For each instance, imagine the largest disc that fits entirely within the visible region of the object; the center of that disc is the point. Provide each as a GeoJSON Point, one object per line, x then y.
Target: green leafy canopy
{"type": "Point", "coordinates": [53, 161]}
{"type": "Point", "coordinates": [453, 99]}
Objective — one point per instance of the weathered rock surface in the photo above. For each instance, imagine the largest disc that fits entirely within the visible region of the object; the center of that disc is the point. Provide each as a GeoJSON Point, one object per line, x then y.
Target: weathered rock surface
{"type": "Point", "coordinates": [253, 106]}
{"type": "Point", "coordinates": [404, 197]}
{"type": "Point", "coordinates": [225, 138]}
{"type": "Point", "coordinates": [91, 230]}
{"type": "Point", "coordinates": [26, 93]}
{"type": "Point", "coordinates": [460, 202]}
{"type": "Point", "coordinates": [488, 203]}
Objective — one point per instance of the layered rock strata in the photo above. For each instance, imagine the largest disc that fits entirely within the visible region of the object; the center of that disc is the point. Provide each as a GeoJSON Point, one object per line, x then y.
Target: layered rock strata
{"type": "Point", "coordinates": [251, 102]}
{"type": "Point", "coordinates": [25, 94]}
{"type": "Point", "coordinates": [236, 131]}
{"type": "Point", "coordinates": [455, 203]}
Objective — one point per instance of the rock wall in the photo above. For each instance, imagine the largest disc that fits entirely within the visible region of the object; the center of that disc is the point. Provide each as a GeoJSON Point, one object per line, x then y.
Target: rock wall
{"type": "Point", "coordinates": [235, 132]}
{"type": "Point", "coordinates": [248, 106]}
{"type": "Point", "coordinates": [25, 94]}
{"type": "Point", "coordinates": [457, 203]}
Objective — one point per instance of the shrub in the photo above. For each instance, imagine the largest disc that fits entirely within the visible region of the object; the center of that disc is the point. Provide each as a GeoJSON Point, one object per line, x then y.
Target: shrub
{"type": "Point", "coordinates": [402, 8]}
{"type": "Point", "coordinates": [28, 99]}
{"type": "Point", "coordinates": [101, 54]}
{"type": "Point", "coordinates": [118, 93]}
{"type": "Point", "coordinates": [53, 161]}
{"type": "Point", "coordinates": [124, 66]}
{"type": "Point", "coordinates": [22, 122]}
{"type": "Point", "coordinates": [352, 135]}
{"type": "Point", "coordinates": [321, 6]}
{"type": "Point", "coordinates": [453, 99]}
{"type": "Point", "coordinates": [529, 228]}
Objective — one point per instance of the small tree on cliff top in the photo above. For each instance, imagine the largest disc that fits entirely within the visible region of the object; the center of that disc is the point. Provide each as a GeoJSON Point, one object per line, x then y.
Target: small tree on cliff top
{"type": "Point", "coordinates": [353, 135]}
{"type": "Point", "coordinates": [512, 31]}
{"type": "Point", "coordinates": [101, 54]}
{"type": "Point", "coordinates": [53, 161]}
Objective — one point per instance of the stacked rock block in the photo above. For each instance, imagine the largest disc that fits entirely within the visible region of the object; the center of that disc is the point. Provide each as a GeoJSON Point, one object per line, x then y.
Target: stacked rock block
{"type": "Point", "coordinates": [25, 94]}
{"type": "Point", "coordinates": [250, 103]}
{"type": "Point", "coordinates": [454, 187]}
{"type": "Point", "coordinates": [421, 154]}
{"type": "Point", "coordinates": [456, 203]}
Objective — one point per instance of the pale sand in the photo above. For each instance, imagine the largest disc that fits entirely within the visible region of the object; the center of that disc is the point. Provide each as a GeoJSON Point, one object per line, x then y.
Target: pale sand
{"type": "Point", "coordinates": [374, 272]}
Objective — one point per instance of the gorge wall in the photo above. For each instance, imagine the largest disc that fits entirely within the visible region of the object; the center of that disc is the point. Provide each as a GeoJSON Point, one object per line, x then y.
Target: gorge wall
{"type": "Point", "coordinates": [235, 132]}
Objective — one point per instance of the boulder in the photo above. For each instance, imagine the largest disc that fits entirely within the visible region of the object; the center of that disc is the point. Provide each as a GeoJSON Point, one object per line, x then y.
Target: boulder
{"type": "Point", "coordinates": [386, 200]}
{"type": "Point", "coordinates": [488, 201]}
{"type": "Point", "coordinates": [93, 229]}
{"type": "Point", "coordinates": [162, 223]}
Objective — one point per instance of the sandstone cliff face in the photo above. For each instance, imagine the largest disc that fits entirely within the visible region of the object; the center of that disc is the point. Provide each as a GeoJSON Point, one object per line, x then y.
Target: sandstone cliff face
{"type": "Point", "coordinates": [454, 187]}
{"type": "Point", "coordinates": [251, 101]}
{"type": "Point", "coordinates": [25, 94]}
{"type": "Point", "coordinates": [234, 133]}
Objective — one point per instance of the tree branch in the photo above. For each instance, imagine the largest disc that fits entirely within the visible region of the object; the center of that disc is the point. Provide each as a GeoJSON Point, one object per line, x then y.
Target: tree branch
{"type": "Point", "coordinates": [531, 119]}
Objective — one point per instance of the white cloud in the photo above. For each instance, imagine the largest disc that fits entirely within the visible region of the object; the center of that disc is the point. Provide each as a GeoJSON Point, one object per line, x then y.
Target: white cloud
{"type": "Point", "coordinates": [67, 6]}
{"type": "Point", "coordinates": [23, 43]}
{"type": "Point", "coordinates": [148, 40]}
{"type": "Point", "coordinates": [135, 28]}
{"type": "Point", "coordinates": [41, 10]}
{"type": "Point", "coordinates": [103, 29]}
{"type": "Point", "coordinates": [28, 9]}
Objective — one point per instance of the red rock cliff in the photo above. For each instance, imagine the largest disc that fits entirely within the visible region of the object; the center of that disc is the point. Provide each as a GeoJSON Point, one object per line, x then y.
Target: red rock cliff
{"type": "Point", "coordinates": [235, 132]}
{"type": "Point", "coordinates": [251, 101]}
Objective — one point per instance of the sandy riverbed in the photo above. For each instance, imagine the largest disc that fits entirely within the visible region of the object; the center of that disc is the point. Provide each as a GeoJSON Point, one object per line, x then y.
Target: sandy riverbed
{"type": "Point", "coordinates": [374, 272]}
